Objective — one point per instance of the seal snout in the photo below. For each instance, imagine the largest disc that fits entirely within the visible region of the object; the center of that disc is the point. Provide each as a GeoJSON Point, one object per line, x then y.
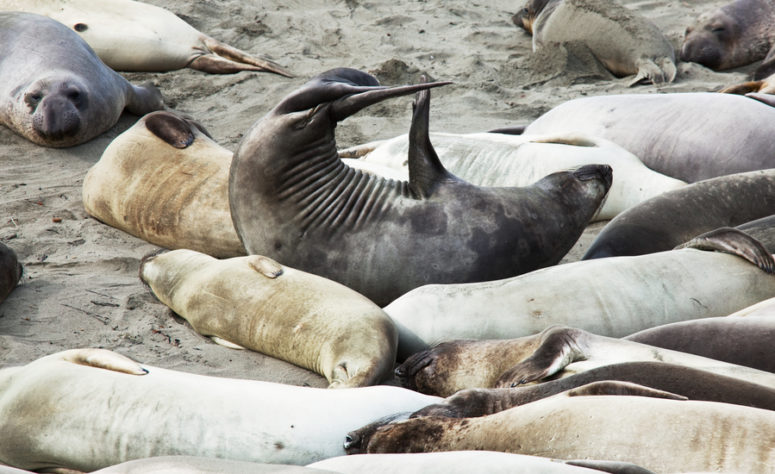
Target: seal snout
{"type": "Point", "coordinates": [57, 116]}
{"type": "Point", "coordinates": [603, 173]}
{"type": "Point", "coordinates": [352, 443]}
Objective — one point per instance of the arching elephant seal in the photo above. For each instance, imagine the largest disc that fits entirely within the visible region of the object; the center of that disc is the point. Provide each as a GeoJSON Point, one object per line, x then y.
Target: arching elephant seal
{"type": "Point", "coordinates": [736, 34]}
{"type": "Point", "coordinates": [10, 271]}
{"type": "Point", "coordinates": [293, 199]}
{"type": "Point", "coordinates": [667, 220]}
{"type": "Point", "coordinates": [54, 90]}
{"type": "Point", "coordinates": [657, 434]}
{"type": "Point", "coordinates": [581, 294]}
{"type": "Point", "coordinates": [675, 134]}
{"type": "Point", "coordinates": [136, 36]}
{"type": "Point", "coordinates": [165, 181]}
{"type": "Point", "coordinates": [87, 409]}
{"type": "Point", "coordinates": [624, 42]}
{"type": "Point", "coordinates": [256, 303]}
{"type": "Point", "coordinates": [556, 351]}
{"type": "Point", "coordinates": [496, 159]}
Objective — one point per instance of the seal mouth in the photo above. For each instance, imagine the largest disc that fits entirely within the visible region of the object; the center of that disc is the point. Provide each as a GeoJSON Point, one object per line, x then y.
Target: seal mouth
{"type": "Point", "coordinates": [603, 173]}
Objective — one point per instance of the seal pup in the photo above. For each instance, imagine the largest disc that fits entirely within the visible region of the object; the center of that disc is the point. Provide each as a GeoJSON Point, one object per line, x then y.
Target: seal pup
{"type": "Point", "coordinates": [658, 434]}
{"type": "Point", "coordinates": [581, 294]}
{"type": "Point", "coordinates": [256, 303]}
{"type": "Point", "coordinates": [87, 409]}
{"type": "Point", "coordinates": [165, 181]}
{"type": "Point", "coordinates": [54, 91]}
{"type": "Point", "coordinates": [736, 34]}
{"type": "Point", "coordinates": [10, 271]}
{"type": "Point", "coordinates": [623, 41]}
{"type": "Point", "coordinates": [294, 200]}
{"type": "Point", "coordinates": [674, 134]}
{"type": "Point", "coordinates": [674, 217]}
{"type": "Point", "coordinates": [136, 36]}
{"type": "Point", "coordinates": [496, 159]}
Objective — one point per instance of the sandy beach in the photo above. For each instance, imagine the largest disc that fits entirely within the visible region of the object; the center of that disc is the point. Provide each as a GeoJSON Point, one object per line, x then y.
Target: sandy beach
{"type": "Point", "coordinates": [80, 286]}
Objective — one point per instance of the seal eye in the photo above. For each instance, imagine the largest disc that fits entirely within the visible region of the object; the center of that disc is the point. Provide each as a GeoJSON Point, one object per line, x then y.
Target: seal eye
{"type": "Point", "coordinates": [80, 27]}
{"type": "Point", "coordinates": [33, 99]}
{"type": "Point", "coordinates": [718, 29]}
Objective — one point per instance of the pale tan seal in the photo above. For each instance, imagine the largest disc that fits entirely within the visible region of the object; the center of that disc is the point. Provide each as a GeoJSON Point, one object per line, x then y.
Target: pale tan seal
{"type": "Point", "coordinates": [166, 182]}
{"type": "Point", "coordinates": [624, 42]}
{"type": "Point", "coordinates": [136, 36]}
{"type": "Point", "coordinates": [256, 303]}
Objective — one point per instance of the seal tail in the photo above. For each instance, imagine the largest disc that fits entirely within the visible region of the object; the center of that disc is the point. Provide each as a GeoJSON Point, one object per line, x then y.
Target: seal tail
{"type": "Point", "coordinates": [734, 242]}
{"type": "Point", "coordinates": [224, 59]}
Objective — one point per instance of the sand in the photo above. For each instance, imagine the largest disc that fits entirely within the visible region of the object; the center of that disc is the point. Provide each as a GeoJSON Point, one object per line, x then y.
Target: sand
{"type": "Point", "coordinates": [80, 286]}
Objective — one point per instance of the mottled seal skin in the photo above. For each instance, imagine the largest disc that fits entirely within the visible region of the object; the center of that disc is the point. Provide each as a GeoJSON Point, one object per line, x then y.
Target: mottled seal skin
{"type": "Point", "coordinates": [54, 90]}
{"type": "Point", "coordinates": [294, 200]}
{"type": "Point", "coordinates": [624, 42]}
{"type": "Point", "coordinates": [256, 303]}
{"type": "Point", "coordinates": [165, 181]}
{"type": "Point", "coordinates": [10, 271]}
{"type": "Point", "coordinates": [555, 352]}
{"type": "Point", "coordinates": [675, 134]}
{"type": "Point", "coordinates": [674, 217]}
{"type": "Point", "coordinates": [136, 36]}
{"type": "Point", "coordinates": [498, 159]}
{"type": "Point", "coordinates": [603, 427]}
{"type": "Point", "coordinates": [739, 33]}
{"type": "Point", "coordinates": [87, 409]}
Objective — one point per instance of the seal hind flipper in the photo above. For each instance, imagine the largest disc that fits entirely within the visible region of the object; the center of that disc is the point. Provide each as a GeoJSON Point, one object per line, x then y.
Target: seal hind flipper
{"type": "Point", "coordinates": [169, 127]}
{"type": "Point", "coordinates": [103, 359]}
{"type": "Point", "coordinates": [650, 71]}
{"type": "Point", "coordinates": [265, 266]}
{"type": "Point", "coordinates": [616, 387]}
{"type": "Point", "coordinates": [220, 58]}
{"type": "Point", "coordinates": [734, 242]}
{"type": "Point", "coordinates": [612, 467]}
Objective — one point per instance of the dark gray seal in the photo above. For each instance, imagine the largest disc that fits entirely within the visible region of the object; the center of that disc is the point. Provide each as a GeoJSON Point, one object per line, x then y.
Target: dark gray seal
{"type": "Point", "coordinates": [54, 90]}
{"type": "Point", "coordinates": [294, 200]}
{"type": "Point", "coordinates": [674, 217]}
{"type": "Point", "coordinates": [739, 33]}
{"type": "Point", "coordinates": [10, 271]}
{"type": "Point", "coordinates": [675, 134]}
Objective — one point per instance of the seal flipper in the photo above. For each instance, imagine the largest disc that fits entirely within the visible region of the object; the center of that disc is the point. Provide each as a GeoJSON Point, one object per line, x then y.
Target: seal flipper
{"type": "Point", "coordinates": [612, 467]}
{"type": "Point", "coordinates": [649, 71]}
{"type": "Point", "coordinates": [265, 266]}
{"type": "Point", "coordinates": [425, 169]}
{"type": "Point", "coordinates": [559, 347]}
{"type": "Point", "coordinates": [767, 67]}
{"type": "Point", "coordinates": [225, 59]}
{"type": "Point", "coordinates": [734, 242]}
{"type": "Point", "coordinates": [143, 99]}
{"type": "Point", "coordinates": [169, 127]}
{"type": "Point", "coordinates": [103, 359]}
{"type": "Point", "coordinates": [515, 130]}
{"type": "Point", "coordinates": [744, 88]}
{"type": "Point", "coordinates": [617, 387]}
{"type": "Point", "coordinates": [407, 371]}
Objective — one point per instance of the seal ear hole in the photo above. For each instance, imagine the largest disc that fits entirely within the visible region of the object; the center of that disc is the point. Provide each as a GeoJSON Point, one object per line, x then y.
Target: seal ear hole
{"type": "Point", "coordinates": [80, 27]}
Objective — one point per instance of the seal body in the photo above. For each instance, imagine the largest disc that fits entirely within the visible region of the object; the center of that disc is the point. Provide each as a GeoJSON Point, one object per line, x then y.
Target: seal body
{"type": "Point", "coordinates": [136, 36]}
{"type": "Point", "coordinates": [10, 271]}
{"type": "Point", "coordinates": [293, 199]}
{"type": "Point", "coordinates": [257, 303]}
{"type": "Point", "coordinates": [736, 34]}
{"type": "Point", "coordinates": [624, 42]}
{"type": "Point", "coordinates": [87, 409]}
{"type": "Point", "coordinates": [165, 181]}
{"type": "Point", "coordinates": [496, 159]}
{"type": "Point", "coordinates": [581, 294]}
{"type": "Point", "coordinates": [54, 90]}
{"type": "Point", "coordinates": [675, 134]}
{"type": "Point", "coordinates": [660, 435]}
{"type": "Point", "coordinates": [202, 465]}
{"type": "Point", "coordinates": [667, 220]}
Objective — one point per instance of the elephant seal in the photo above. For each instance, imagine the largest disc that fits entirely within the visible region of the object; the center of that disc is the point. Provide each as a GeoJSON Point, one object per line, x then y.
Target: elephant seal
{"type": "Point", "coordinates": [293, 199]}
{"type": "Point", "coordinates": [736, 34]}
{"type": "Point", "coordinates": [667, 220]}
{"type": "Point", "coordinates": [623, 41]}
{"type": "Point", "coordinates": [497, 159]}
{"type": "Point", "coordinates": [202, 465]}
{"type": "Point", "coordinates": [256, 303]}
{"type": "Point", "coordinates": [658, 434]}
{"type": "Point", "coordinates": [674, 134]}
{"type": "Point", "coordinates": [556, 351]}
{"type": "Point", "coordinates": [10, 271]}
{"type": "Point", "coordinates": [87, 409]}
{"type": "Point", "coordinates": [136, 36]}
{"type": "Point", "coordinates": [165, 181]}
{"type": "Point", "coordinates": [579, 294]}
{"type": "Point", "coordinates": [54, 91]}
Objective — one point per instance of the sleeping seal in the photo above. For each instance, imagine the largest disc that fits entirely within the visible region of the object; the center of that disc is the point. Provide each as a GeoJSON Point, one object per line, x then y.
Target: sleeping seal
{"type": "Point", "coordinates": [294, 200]}
{"type": "Point", "coordinates": [54, 90]}
{"type": "Point", "coordinates": [256, 303]}
{"type": "Point", "coordinates": [624, 42]}
{"type": "Point", "coordinates": [87, 409]}
{"type": "Point", "coordinates": [136, 36]}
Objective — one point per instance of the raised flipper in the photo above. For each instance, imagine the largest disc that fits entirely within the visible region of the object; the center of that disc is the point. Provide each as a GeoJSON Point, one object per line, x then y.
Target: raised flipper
{"type": "Point", "coordinates": [734, 242]}
{"type": "Point", "coordinates": [612, 467]}
{"type": "Point", "coordinates": [649, 71]}
{"type": "Point", "coordinates": [220, 58]}
{"type": "Point", "coordinates": [616, 387]}
{"type": "Point", "coordinates": [559, 347]}
{"type": "Point", "coordinates": [103, 359]}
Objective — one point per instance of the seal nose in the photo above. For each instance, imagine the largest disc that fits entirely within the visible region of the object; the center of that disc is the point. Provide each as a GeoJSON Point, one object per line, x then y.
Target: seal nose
{"type": "Point", "coordinates": [352, 443]}
{"type": "Point", "coordinates": [602, 172]}
{"type": "Point", "coordinates": [56, 117]}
